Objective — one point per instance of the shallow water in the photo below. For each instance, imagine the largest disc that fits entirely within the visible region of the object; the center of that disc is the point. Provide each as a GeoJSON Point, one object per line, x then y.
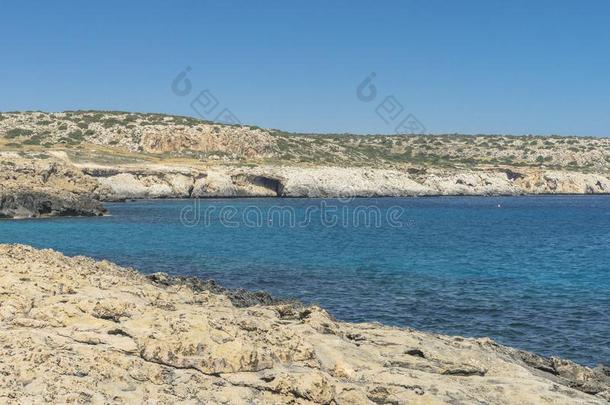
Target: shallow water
{"type": "Point", "coordinates": [530, 272]}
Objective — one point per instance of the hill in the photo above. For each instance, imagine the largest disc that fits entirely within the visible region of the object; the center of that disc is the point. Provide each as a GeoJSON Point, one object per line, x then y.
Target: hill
{"type": "Point", "coordinates": [159, 136]}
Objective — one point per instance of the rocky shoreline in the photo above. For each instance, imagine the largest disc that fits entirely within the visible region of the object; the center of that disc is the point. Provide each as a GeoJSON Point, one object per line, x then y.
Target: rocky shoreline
{"type": "Point", "coordinates": [331, 182]}
{"type": "Point", "coordinates": [51, 186]}
{"type": "Point", "coordinates": [45, 188]}
{"type": "Point", "coordinates": [79, 330]}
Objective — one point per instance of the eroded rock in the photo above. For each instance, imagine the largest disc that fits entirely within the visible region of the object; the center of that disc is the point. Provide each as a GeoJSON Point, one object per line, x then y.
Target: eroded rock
{"type": "Point", "coordinates": [77, 330]}
{"type": "Point", "coordinates": [45, 187]}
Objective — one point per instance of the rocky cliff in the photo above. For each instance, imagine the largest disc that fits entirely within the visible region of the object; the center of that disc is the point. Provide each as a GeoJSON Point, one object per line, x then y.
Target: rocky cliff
{"type": "Point", "coordinates": [33, 186]}
{"type": "Point", "coordinates": [39, 186]}
{"type": "Point", "coordinates": [327, 181]}
{"type": "Point", "coordinates": [77, 330]}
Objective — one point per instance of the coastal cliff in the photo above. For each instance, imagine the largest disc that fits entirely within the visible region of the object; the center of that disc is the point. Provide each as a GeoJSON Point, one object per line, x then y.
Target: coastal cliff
{"type": "Point", "coordinates": [32, 185]}
{"type": "Point", "coordinates": [327, 181]}
{"type": "Point", "coordinates": [45, 187]}
{"type": "Point", "coordinates": [78, 330]}
{"type": "Point", "coordinates": [65, 163]}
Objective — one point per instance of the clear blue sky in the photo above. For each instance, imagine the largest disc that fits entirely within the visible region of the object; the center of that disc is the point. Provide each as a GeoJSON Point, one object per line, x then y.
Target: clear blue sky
{"type": "Point", "coordinates": [518, 67]}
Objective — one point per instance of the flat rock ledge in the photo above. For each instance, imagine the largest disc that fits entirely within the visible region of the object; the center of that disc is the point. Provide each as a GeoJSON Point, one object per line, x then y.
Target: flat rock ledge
{"type": "Point", "coordinates": [75, 330]}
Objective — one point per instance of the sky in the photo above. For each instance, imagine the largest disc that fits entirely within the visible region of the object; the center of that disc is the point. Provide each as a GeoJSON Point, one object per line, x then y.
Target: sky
{"type": "Point", "coordinates": [497, 67]}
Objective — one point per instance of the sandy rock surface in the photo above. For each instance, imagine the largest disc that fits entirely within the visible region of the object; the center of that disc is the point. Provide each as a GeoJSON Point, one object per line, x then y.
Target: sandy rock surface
{"type": "Point", "coordinates": [77, 330]}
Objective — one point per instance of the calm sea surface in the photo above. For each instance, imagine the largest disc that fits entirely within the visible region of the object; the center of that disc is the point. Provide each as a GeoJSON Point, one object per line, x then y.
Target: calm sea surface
{"type": "Point", "coordinates": [530, 272]}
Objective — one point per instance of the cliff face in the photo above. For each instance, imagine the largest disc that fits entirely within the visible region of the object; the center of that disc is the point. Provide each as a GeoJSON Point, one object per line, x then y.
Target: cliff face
{"type": "Point", "coordinates": [79, 330]}
{"type": "Point", "coordinates": [35, 186]}
{"type": "Point", "coordinates": [45, 187]}
{"type": "Point", "coordinates": [291, 181]}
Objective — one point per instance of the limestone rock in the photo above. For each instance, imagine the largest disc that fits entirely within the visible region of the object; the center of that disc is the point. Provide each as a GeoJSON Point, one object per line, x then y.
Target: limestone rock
{"type": "Point", "coordinates": [77, 330]}
{"type": "Point", "coordinates": [45, 187]}
{"type": "Point", "coordinates": [336, 182]}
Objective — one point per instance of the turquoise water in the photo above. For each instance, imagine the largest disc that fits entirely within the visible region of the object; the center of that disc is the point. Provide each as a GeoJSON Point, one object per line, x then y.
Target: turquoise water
{"type": "Point", "coordinates": [530, 272]}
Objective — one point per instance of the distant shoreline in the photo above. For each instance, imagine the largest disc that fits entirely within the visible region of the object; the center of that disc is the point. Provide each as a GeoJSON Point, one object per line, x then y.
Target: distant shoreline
{"type": "Point", "coordinates": [67, 163]}
{"type": "Point", "coordinates": [341, 199]}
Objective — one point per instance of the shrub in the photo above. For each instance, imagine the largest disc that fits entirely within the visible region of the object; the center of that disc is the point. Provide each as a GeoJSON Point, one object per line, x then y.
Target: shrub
{"type": "Point", "coordinates": [68, 141]}
{"type": "Point", "coordinates": [130, 118]}
{"type": "Point", "coordinates": [76, 135]}
{"type": "Point", "coordinates": [35, 140]}
{"type": "Point", "coordinates": [110, 122]}
{"type": "Point", "coordinates": [93, 117]}
{"type": "Point", "coordinates": [15, 132]}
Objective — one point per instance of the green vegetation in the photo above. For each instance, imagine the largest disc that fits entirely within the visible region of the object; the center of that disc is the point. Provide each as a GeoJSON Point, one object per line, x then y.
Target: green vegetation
{"type": "Point", "coordinates": [34, 140]}
{"type": "Point", "coordinates": [110, 122]}
{"type": "Point", "coordinates": [76, 135]}
{"type": "Point", "coordinates": [16, 132]}
{"type": "Point", "coordinates": [123, 131]}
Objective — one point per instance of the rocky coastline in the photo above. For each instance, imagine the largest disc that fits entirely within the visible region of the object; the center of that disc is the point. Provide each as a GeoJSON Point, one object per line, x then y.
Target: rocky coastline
{"type": "Point", "coordinates": [45, 188]}
{"type": "Point", "coordinates": [334, 182]}
{"type": "Point", "coordinates": [79, 330]}
{"type": "Point", "coordinates": [37, 187]}
{"type": "Point", "coordinates": [68, 163]}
